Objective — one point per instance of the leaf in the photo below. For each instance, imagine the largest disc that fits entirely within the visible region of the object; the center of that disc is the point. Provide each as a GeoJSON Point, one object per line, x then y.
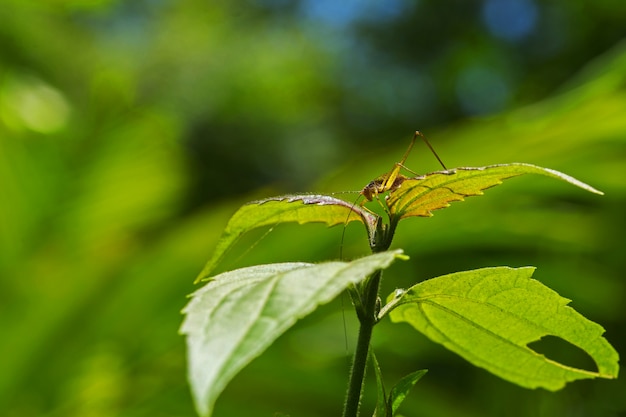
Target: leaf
{"type": "Point", "coordinates": [291, 208]}
{"type": "Point", "coordinates": [421, 195]}
{"type": "Point", "coordinates": [489, 316]}
{"type": "Point", "coordinates": [238, 314]}
{"type": "Point", "coordinates": [382, 409]}
{"type": "Point", "coordinates": [402, 388]}
{"type": "Point", "coordinates": [387, 407]}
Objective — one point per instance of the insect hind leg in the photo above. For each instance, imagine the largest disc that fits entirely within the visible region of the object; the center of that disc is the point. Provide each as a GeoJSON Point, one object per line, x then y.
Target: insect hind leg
{"type": "Point", "coordinates": [431, 149]}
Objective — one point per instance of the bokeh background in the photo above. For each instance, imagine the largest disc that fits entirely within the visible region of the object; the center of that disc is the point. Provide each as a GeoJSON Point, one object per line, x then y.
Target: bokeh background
{"type": "Point", "coordinates": [131, 131]}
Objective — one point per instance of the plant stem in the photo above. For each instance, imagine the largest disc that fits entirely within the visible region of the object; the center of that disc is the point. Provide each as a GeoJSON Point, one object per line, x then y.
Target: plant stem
{"type": "Point", "coordinates": [368, 293]}
{"type": "Point", "coordinates": [357, 372]}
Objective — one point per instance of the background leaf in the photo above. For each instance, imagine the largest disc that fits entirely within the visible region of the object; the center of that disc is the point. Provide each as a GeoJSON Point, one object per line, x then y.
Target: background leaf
{"type": "Point", "coordinates": [421, 195]}
{"type": "Point", "coordinates": [238, 314]}
{"type": "Point", "coordinates": [490, 315]}
{"type": "Point", "coordinates": [381, 409]}
{"type": "Point", "coordinates": [401, 389]}
{"type": "Point", "coordinates": [292, 208]}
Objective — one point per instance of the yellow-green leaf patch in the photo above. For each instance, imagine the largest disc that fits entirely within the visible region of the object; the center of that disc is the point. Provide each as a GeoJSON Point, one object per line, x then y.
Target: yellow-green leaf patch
{"type": "Point", "coordinates": [421, 195]}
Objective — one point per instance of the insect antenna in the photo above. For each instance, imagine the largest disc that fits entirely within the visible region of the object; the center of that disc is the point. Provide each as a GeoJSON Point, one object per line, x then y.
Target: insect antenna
{"type": "Point", "coordinates": [345, 327]}
{"type": "Point", "coordinates": [343, 293]}
{"type": "Point", "coordinates": [256, 242]}
{"type": "Point", "coordinates": [345, 225]}
{"type": "Point", "coordinates": [343, 192]}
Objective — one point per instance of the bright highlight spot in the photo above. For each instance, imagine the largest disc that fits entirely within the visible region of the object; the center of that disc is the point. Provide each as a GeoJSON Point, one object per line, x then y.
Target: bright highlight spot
{"type": "Point", "coordinates": [27, 102]}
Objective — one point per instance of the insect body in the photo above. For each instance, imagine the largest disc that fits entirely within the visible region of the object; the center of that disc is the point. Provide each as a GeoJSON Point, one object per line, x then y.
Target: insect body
{"type": "Point", "coordinates": [392, 180]}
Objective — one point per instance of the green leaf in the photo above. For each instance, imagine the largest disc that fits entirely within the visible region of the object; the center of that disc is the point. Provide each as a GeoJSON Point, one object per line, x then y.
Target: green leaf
{"type": "Point", "coordinates": [402, 388]}
{"type": "Point", "coordinates": [238, 314]}
{"type": "Point", "coordinates": [421, 195]}
{"type": "Point", "coordinates": [489, 316]}
{"type": "Point", "coordinates": [387, 407]}
{"type": "Point", "coordinates": [291, 208]}
{"type": "Point", "coordinates": [381, 400]}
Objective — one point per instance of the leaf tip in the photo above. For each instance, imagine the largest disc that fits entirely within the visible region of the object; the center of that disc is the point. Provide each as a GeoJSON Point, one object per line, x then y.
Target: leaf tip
{"type": "Point", "coordinates": [588, 187]}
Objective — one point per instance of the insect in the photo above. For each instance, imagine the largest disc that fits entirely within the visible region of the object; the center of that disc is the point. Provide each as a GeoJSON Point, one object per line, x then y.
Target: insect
{"type": "Point", "coordinates": [388, 181]}
{"type": "Point", "coordinates": [392, 180]}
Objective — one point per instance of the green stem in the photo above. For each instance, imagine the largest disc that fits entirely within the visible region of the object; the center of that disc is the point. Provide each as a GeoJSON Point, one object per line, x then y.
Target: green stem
{"type": "Point", "coordinates": [368, 295]}
{"type": "Point", "coordinates": [357, 373]}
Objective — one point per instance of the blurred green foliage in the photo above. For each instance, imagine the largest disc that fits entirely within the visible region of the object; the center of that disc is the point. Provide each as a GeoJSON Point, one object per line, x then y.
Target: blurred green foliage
{"type": "Point", "coordinates": [130, 132]}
